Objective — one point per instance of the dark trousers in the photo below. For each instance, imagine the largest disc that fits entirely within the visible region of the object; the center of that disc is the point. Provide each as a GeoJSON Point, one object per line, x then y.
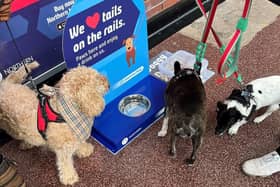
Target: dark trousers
{"type": "Point", "coordinates": [4, 137]}
{"type": "Point", "coordinates": [278, 150]}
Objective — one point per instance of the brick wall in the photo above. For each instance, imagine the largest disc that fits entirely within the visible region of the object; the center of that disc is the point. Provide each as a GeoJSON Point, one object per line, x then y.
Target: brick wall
{"type": "Point", "coordinates": [155, 6]}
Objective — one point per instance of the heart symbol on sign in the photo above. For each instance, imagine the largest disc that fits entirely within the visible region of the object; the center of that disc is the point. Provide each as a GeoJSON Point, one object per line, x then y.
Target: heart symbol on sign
{"type": "Point", "coordinates": [92, 21]}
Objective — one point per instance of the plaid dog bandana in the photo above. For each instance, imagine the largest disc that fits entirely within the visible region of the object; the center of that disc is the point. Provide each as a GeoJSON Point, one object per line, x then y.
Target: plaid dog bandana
{"type": "Point", "coordinates": [79, 123]}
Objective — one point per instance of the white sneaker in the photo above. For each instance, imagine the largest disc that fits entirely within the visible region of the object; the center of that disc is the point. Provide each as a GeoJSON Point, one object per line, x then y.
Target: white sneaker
{"type": "Point", "coordinates": [263, 166]}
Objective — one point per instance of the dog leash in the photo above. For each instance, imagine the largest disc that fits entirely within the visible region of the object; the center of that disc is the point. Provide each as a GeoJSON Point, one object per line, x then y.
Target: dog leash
{"type": "Point", "coordinates": [226, 59]}
{"type": "Point", "coordinates": [201, 48]}
{"type": "Point", "coordinates": [29, 76]}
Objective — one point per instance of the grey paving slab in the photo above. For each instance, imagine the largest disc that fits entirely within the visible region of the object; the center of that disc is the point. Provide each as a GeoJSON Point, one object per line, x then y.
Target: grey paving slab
{"type": "Point", "coordinates": [261, 15]}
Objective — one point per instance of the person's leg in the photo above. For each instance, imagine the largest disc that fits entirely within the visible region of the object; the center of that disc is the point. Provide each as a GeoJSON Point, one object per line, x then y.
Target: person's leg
{"type": "Point", "coordinates": [278, 150]}
{"type": "Point", "coordinates": [9, 175]}
{"type": "Point", "coordinates": [277, 2]}
{"type": "Point", "coordinates": [263, 166]}
{"type": "Point", "coordinates": [4, 137]}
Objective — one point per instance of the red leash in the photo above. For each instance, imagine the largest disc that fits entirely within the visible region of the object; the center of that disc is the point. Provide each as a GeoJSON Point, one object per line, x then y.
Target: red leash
{"type": "Point", "coordinates": [240, 28]}
{"type": "Point", "coordinates": [203, 11]}
{"type": "Point", "coordinates": [226, 58]}
{"type": "Point", "coordinates": [201, 48]}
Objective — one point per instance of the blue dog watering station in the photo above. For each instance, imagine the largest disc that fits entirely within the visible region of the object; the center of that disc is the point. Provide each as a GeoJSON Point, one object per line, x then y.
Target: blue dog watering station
{"type": "Point", "coordinates": [111, 37]}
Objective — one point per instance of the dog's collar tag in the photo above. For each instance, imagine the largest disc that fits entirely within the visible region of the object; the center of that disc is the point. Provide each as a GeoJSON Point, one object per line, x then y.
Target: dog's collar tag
{"type": "Point", "coordinates": [247, 95]}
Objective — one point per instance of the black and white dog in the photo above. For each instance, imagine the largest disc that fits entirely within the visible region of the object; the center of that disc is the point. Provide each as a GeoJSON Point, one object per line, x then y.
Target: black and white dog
{"type": "Point", "coordinates": [185, 109]}
{"type": "Point", "coordinates": [241, 104]}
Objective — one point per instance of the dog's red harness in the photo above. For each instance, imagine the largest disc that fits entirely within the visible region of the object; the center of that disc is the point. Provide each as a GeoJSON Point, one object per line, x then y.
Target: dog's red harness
{"type": "Point", "coordinates": [46, 114]}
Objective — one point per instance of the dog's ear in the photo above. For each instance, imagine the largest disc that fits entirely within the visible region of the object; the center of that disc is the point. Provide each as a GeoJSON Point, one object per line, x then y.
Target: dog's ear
{"type": "Point", "coordinates": [123, 42]}
{"type": "Point", "coordinates": [177, 67]}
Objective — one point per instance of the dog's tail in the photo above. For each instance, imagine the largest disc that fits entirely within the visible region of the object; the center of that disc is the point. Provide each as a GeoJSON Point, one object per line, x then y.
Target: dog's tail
{"type": "Point", "coordinates": [20, 75]}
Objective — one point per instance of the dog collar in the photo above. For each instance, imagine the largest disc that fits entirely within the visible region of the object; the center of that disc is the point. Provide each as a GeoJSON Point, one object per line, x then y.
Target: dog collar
{"type": "Point", "coordinates": [246, 93]}
{"type": "Point", "coordinates": [185, 72]}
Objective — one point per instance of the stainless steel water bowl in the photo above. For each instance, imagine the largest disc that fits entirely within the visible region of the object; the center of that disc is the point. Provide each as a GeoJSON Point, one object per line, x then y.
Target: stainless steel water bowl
{"type": "Point", "coordinates": [134, 105]}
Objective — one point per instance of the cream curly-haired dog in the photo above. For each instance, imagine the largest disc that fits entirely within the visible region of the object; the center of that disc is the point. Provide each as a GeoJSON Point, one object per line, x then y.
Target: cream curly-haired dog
{"type": "Point", "coordinates": [83, 86]}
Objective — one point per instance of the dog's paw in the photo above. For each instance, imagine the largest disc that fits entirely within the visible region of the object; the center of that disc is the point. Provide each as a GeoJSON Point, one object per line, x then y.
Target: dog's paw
{"type": "Point", "coordinates": [189, 161]}
{"type": "Point", "coordinates": [84, 150]}
{"type": "Point", "coordinates": [69, 178]}
{"type": "Point", "coordinates": [162, 133]}
{"type": "Point", "coordinates": [258, 120]}
{"type": "Point", "coordinates": [172, 153]}
{"type": "Point", "coordinates": [233, 130]}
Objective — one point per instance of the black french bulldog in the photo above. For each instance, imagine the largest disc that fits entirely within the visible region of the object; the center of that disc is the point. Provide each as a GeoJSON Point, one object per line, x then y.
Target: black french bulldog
{"type": "Point", "coordinates": [185, 109]}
